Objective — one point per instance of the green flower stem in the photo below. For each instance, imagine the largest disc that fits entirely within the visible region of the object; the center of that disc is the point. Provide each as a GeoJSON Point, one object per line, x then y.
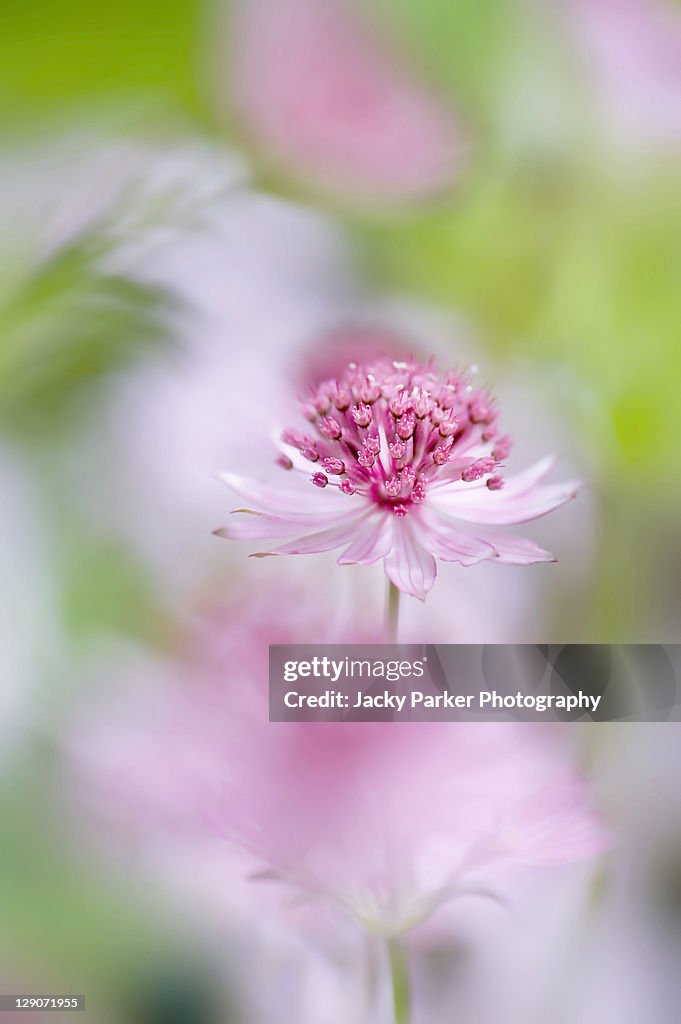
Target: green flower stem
{"type": "Point", "coordinates": [399, 974]}
{"type": "Point", "coordinates": [392, 613]}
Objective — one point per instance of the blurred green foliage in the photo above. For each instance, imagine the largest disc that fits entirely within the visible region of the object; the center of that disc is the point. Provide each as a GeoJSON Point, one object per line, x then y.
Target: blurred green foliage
{"type": "Point", "coordinates": [467, 46]}
{"type": "Point", "coordinates": [57, 55]}
{"type": "Point", "coordinates": [103, 935]}
{"type": "Point", "coordinates": [105, 589]}
{"type": "Point", "coordinates": [567, 270]}
{"type": "Point", "coordinates": [64, 325]}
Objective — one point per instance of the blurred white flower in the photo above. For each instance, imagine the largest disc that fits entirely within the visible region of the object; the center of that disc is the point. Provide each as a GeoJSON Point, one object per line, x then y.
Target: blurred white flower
{"type": "Point", "coordinates": [631, 58]}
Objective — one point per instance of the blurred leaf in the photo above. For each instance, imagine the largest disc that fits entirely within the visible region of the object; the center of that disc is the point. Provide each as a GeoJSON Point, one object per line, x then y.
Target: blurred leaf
{"type": "Point", "coordinates": [63, 328]}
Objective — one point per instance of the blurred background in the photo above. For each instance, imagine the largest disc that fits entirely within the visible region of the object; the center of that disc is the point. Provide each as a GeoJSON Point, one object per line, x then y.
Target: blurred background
{"type": "Point", "coordinates": [206, 207]}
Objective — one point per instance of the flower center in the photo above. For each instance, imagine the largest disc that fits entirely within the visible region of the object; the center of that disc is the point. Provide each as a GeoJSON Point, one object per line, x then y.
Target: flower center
{"type": "Point", "coordinates": [391, 431]}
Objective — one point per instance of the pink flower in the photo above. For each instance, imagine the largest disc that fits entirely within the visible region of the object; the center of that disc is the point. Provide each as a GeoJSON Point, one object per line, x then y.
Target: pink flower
{"type": "Point", "coordinates": [321, 96]}
{"type": "Point", "coordinates": [400, 462]}
{"type": "Point", "coordinates": [384, 823]}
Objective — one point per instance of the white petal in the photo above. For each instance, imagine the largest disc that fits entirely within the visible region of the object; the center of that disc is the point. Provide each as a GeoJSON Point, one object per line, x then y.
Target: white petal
{"type": "Point", "coordinates": [445, 538]}
{"type": "Point", "coordinates": [372, 542]}
{"type": "Point", "coordinates": [512, 550]}
{"type": "Point", "coordinates": [324, 540]}
{"type": "Point", "coordinates": [517, 483]}
{"type": "Point", "coordinates": [408, 565]}
{"type": "Point", "coordinates": [521, 499]}
{"type": "Point", "coordinates": [251, 525]}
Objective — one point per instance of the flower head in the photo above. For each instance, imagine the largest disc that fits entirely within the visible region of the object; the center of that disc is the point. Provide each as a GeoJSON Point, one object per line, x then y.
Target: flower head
{"type": "Point", "coordinates": [398, 459]}
{"type": "Point", "coordinates": [386, 822]}
{"type": "Point", "coordinates": [322, 96]}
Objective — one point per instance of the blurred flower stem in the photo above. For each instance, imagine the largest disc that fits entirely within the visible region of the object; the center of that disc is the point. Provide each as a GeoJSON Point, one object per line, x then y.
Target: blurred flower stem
{"type": "Point", "coordinates": [392, 613]}
{"type": "Point", "coordinates": [400, 980]}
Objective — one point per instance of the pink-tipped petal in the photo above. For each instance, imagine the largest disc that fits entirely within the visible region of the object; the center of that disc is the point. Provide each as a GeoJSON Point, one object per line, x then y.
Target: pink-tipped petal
{"type": "Point", "coordinates": [408, 565]}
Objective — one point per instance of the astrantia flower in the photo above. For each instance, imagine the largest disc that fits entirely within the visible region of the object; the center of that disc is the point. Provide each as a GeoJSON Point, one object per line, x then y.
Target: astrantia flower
{"type": "Point", "coordinates": [399, 461]}
{"type": "Point", "coordinates": [384, 822]}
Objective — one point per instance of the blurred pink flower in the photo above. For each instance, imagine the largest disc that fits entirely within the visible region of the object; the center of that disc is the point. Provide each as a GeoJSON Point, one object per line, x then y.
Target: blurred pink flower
{"type": "Point", "coordinates": [319, 93]}
{"type": "Point", "coordinates": [384, 822]}
{"type": "Point", "coordinates": [632, 50]}
{"type": "Point", "coordinates": [407, 455]}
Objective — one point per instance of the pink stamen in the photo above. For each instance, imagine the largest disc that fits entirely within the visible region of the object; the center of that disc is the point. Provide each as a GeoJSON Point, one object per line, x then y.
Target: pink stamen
{"type": "Point", "coordinates": [406, 425]}
{"type": "Point", "coordinates": [330, 428]}
{"type": "Point", "coordinates": [449, 424]}
{"type": "Point", "coordinates": [369, 392]}
{"type": "Point", "coordinates": [361, 414]}
{"type": "Point", "coordinates": [418, 418]}
{"type": "Point", "coordinates": [502, 448]}
{"type": "Point", "coordinates": [399, 403]}
{"type": "Point", "coordinates": [341, 398]}
{"type": "Point", "coordinates": [408, 478]}
{"type": "Point", "coordinates": [422, 404]}
{"type": "Point", "coordinates": [480, 410]}
{"type": "Point", "coordinates": [418, 494]}
{"type": "Point", "coordinates": [335, 467]}
{"type": "Point", "coordinates": [293, 438]}
{"type": "Point", "coordinates": [478, 470]}
{"type": "Point", "coordinates": [442, 453]}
